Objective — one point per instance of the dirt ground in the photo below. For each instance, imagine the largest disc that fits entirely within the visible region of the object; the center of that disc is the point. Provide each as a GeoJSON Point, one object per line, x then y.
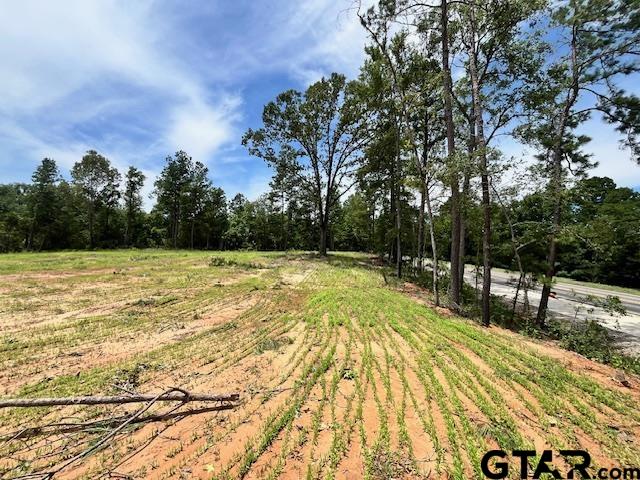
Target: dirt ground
{"type": "Point", "coordinates": [339, 376]}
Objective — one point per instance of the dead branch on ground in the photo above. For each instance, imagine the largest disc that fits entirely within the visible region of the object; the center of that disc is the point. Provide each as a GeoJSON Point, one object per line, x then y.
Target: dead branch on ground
{"type": "Point", "coordinates": [112, 427]}
{"type": "Point", "coordinates": [175, 395]}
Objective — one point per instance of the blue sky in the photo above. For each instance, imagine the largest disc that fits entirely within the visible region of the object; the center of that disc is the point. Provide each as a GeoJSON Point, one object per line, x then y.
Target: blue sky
{"type": "Point", "coordinates": [137, 80]}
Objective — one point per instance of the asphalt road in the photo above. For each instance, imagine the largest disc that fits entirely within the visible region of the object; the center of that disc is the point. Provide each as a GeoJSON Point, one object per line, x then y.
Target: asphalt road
{"type": "Point", "coordinates": [565, 301]}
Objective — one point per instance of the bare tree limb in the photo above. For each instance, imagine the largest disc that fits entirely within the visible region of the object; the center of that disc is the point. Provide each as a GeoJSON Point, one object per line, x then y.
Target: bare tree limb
{"type": "Point", "coordinates": [175, 396]}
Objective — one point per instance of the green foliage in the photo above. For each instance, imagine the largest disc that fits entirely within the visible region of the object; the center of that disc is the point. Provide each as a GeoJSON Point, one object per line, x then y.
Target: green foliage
{"type": "Point", "coordinates": [269, 344]}
{"type": "Point", "coordinates": [97, 183]}
{"type": "Point", "coordinates": [598, 242]}
{"type": "Point", "coordinates": [591, 339]}
{"type": "Point", "coordinates": [352, 229]}
{"type": "Point", "coordinates": [185, 198]}
{"type": "Point", "coordinates": [14, 217]}
{"type": "Point", "coordinates": [232, 262]}
{"type": "Point", "coordinates": [134, 182]}
{"type": "Point", "coordinates": [601, 238]}
{"type": "Point", "coordinates": [313, 141]}
{"type": "Point", "coordinates": [44, 202]}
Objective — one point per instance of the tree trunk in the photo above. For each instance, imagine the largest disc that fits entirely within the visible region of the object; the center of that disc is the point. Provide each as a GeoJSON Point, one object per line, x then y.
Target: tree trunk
{"type": "Point", "coordinates": [283, 213]}
{"type": "Point", "coordinates": [421, 225]}
{"type": "Point", "coordinates": [178, 396]}
{"type": "Point", "coordinates": [176, 228]}
{"type": "Point", "coordinates": [463, 226]}
{"type": "Point", "coordinates": [556, 181]}
{"type": "Point", "coordinates": [454, 291]}
{"type": "Point", "coordinates": [127, 228]}
{"type": "Point", "coordinates": [172, 229]}
{"type": "Point", "coordinates": [91, 222]}
{"type": "Point", "coordinates": [323, 239]}
{"type": "Point", "coordinates": [465, 192]}
{"type": "Point", "coordinates": [193, 228]}
{"type": "Point", "coordinates": [486, 247]}
{"type": "Point", "coordinates": [515, 297]}
{"type": "Point", "coordinates": [434, 252]}
{"type": "Point", "coordinates": [392, 211]}
{"type": "Point", "coordinates": [553, 242]}
{"type": "Point", "coordinates": [372, 238]}
{"type": "Point", "coordinates": [30, 235]}
{"type": "Point", "coordinates": [516, 253]}
{"type": "Point", "coordinates": [45, 236]}
{"type": "Point", "coordinates": [398, 202]}
{"type": "Point", "coordinates": [484, 174]}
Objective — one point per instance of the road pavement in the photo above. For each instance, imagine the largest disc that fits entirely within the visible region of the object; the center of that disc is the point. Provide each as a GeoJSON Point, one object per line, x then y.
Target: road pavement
{"type": "Point", "coordinates": [566, 299]}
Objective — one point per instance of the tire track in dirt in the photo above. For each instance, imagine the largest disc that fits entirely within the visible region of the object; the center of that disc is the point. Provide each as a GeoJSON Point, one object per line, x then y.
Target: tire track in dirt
{"type": "Point", "coordinates": [273, 461]}
{"type": "Point", "coordinates": [263, 436]}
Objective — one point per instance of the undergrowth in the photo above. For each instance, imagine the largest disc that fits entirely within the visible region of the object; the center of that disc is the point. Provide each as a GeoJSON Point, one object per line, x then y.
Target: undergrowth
{"type": "Point", "coordinates": [581, 335]}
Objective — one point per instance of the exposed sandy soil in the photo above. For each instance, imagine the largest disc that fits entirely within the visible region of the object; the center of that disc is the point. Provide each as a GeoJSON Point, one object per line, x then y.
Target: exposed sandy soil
{"type": "Point", "coordinates": [326, 398]}
{"type": "Point", "coordinates": [199, 445]}
{"type": "Point", "coordinates": [52, 363]}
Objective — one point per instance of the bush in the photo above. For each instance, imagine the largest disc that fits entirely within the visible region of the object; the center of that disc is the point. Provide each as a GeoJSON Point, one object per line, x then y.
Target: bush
{"type": "Point", "coordinates": [267, 344]}
{"type": "Point", "coordinates": [593, 341]}
{"type": "Point", "coordinates": [425, 280]}
{"type": "Point", "coordinates": [587, 338]}
{"type": "Point", "coordinates": [229, 262]}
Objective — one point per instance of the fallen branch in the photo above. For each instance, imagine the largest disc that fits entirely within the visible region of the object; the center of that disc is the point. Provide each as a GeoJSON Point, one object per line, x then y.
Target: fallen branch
{"type": "Point", "coordinates": [61, 428]}
{"type": "Point", "coordinates": [174, 396]}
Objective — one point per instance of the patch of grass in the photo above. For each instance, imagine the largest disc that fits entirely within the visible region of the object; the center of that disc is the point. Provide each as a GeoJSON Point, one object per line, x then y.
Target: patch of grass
{"type": "Point", "coordinates": [128, 379]}
{"type": "Point", "coordinates": [155, 302]}
{"type": "Point", "coordinates": [219, 261]}
{"type": "Point", "coordinates": [386, 464]}
{"type": "Point", "coordinates": [269, 344]}
{"type": "Point", "coordinates": [613, 288]}
{"type": "Point", "coordinates": [144, 302]}
{"type": "Point", "coordinates": [371, 376]}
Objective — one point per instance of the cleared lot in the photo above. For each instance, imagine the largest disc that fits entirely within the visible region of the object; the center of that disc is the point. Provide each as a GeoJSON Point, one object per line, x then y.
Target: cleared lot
{"type": "Point", "coordinates": [340, 374]}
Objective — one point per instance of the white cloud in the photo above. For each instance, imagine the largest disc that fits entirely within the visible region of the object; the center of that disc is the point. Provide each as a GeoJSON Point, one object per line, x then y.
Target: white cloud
{"type": "Point", "coordinates": [128, 79]}
{"type": "Point", "coordinates": [67, 64]}
{"type": "Point", "coordinates": [116, 76]}
{"type": "Point", "coordinates": [306, 39]}
{"type": "Point", "coordinates": [201, 129]}
{"type": "Point", "coordinates": [50, 49]}
{"type": "Point", "coordinates": [613, 161]}
{"type": "Point", "coordinates": [338, 41]}
{"type": "Point", "coordinates": [339, 47]}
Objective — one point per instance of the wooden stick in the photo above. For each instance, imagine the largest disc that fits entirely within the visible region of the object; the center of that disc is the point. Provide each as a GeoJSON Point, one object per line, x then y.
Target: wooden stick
{"type": "Point", "coordinates": [59, 428]}
{"type": "Point", "coordinates": [118, 399]}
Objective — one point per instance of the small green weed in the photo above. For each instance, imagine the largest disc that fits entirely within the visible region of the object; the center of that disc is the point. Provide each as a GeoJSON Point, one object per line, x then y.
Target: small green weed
{"type": "Point", "coordinates": [267, 344]}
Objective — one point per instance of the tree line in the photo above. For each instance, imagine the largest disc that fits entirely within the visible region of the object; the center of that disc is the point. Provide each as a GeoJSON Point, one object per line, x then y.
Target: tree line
{"type": "Point", "coordinates": [441, 83]}
{"type": "Point", "coordinates": [405, 159]}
